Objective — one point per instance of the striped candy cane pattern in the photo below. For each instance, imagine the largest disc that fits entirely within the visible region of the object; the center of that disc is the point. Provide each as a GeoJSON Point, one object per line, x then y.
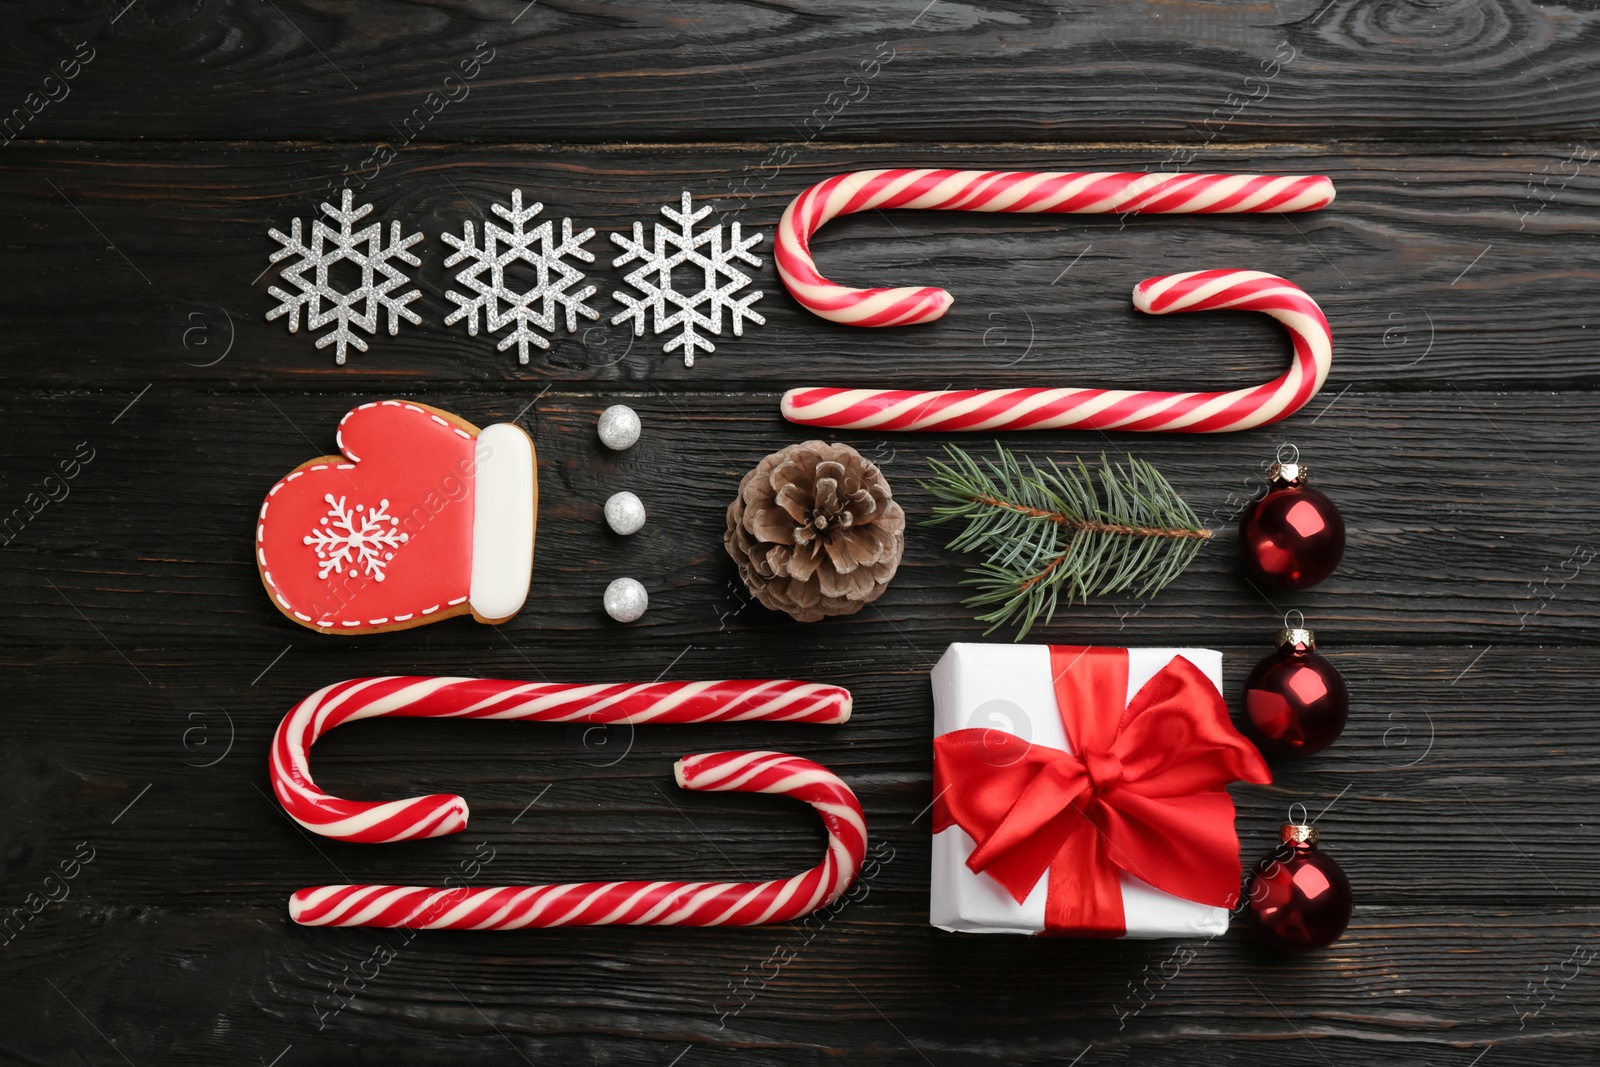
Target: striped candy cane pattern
{"type": "Point", "coordinates": [1110, 409]}
{"type": "Point", "coordinates": [485, 698]}
{"type": "Point", "coordinates": [654, 903]}
{"type": "Point", "coordinates": [1027, 192]}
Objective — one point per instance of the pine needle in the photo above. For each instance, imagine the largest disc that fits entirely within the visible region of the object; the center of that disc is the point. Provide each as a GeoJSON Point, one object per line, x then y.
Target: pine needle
{"type": "Point", "coordinates": [1053, 533]}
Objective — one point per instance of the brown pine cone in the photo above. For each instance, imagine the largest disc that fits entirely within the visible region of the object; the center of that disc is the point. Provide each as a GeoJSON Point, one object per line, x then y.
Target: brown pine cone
{"type": "Point", "coordinates": [815, 531]}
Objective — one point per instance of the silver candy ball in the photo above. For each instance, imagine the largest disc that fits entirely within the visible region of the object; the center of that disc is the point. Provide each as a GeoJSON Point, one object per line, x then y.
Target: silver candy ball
{"type": "Point", "coordinates": [626, 600]}
{"type": "Point", "coordinates": [624, 513]}
{"type": "Point", "coordinates": [619, 427]}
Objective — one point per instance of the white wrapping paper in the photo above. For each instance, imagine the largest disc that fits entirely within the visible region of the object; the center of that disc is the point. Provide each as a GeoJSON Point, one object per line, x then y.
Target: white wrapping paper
{"type": "Point", "coordinates": [1009, 688]}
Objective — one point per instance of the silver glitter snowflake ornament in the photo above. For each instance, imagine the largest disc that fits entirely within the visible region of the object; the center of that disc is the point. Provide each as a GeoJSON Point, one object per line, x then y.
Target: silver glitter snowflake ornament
{"type": "Point", "coordinates": [489, 291]}
{"type": "Point", "coordinates": [687, 315]}
{"type": "Point", "coordinates": [358, 308]}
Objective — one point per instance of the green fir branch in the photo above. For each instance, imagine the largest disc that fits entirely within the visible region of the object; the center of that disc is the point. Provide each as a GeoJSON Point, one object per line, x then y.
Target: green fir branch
{"type": "Point", "coordinates": [1053, 533]}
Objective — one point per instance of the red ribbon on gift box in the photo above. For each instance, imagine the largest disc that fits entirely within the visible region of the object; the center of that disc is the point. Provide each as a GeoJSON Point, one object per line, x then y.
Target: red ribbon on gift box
{"type": "Point", "coordinates": [1143, 791]}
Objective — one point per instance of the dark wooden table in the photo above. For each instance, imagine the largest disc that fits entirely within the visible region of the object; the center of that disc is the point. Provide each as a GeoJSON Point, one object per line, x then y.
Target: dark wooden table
{"type": "Point", "coordinates": [146, 668]}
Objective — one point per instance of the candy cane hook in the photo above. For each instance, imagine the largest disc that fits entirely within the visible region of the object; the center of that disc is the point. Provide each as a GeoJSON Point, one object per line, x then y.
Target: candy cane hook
{"type": "Point", "coordinates": [1110, 409]}
{"type": "Point", "coordinates": [654, 903]}
{"type": "Point", "coordinates": [486, 698]}
{"type": "Point", "coordinates": [1027, 192]}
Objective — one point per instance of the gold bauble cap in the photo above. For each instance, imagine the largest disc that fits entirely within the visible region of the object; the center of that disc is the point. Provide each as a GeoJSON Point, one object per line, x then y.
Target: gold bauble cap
{"type": "Point", "coordinates": [1288, 473]}
{"type": "Point", "coordinates": [1298, 638]}
{"type": "Point", "coordinates": [1297, 833]}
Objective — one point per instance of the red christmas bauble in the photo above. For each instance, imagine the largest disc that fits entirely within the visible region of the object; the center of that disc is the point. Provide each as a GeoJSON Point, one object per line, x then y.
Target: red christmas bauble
{"type": "Point", "coordinates": [1295, 701]}
{"type": "Point", "coordinates": [1299, 897]}
{"type": "Point", "coordinates": [1293, 537]}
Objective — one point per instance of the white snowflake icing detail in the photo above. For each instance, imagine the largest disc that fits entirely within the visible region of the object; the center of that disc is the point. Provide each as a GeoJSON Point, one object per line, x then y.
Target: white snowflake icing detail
{"type": "Point", "coordinates": [364, 537]}
{"type": "Point", "coordinates": [502, 305]}
{"type": "Point", "coordinates": [359, 307]}
{"type": "Point", "coordinates": [691, 312]}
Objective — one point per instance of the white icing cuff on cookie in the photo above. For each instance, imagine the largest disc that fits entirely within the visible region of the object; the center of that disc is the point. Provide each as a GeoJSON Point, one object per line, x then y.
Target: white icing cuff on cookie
{"type": "Point", "coordinates": [502, 522]}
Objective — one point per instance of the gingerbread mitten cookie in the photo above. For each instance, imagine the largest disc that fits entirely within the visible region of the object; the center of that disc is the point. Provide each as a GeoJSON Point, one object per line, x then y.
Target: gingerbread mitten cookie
{"type": "Point", "coordinates": [424, 516]}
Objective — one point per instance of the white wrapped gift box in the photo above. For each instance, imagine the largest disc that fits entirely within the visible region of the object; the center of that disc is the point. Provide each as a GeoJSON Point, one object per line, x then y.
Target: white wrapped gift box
{"type": "Point", "coordinates": [988, 686]}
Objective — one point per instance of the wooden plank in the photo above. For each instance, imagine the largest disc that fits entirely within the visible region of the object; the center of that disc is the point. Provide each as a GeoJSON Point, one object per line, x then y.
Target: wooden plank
{"type": "Point", "coordinates": [1407, 983]}
{"type": "Point", "coordinates": [1194, 75]}
{"type": "Point", "coordinates": [148, 671]}
{"type": "Point", "coordinates": [1453, 762]}
{"type": "Point", "coordinates": [1438, 269]}
{"type": "Point", "coordinates": [1440, 550]}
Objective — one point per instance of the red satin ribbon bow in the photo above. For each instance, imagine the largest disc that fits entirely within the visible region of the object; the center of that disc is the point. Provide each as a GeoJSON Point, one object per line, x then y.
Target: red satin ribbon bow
{"type": "Point", "coordinates": [1142, 791]}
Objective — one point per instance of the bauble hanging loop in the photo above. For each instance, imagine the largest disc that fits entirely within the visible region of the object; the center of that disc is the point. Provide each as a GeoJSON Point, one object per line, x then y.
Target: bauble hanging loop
{"type": "Point", "coordinates": [1293, 537]}
{"type": "Point", "coordinates": [1299, 896]}
{"type": "Point", "coordinates": [1295, 700]}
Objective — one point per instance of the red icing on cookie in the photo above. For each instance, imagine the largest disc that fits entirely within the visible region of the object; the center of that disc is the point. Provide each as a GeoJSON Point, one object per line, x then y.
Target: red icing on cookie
{"type": "Point", "coordinates": [381, 538]}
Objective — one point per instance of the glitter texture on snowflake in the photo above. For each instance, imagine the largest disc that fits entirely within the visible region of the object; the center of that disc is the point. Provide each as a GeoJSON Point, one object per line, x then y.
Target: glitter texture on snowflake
{"type": "Point", "coordinates": [553, 277]}
{"type": "Point", "coordinates": [363, 537]}
{"type": "Point", "coordinates": [359, 307]}
{"type": "Point", "coordinates": [687, 314]}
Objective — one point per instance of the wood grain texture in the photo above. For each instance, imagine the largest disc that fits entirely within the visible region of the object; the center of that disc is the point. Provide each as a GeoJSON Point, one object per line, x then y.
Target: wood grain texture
{"type": "Point", "coordinates": [955, 999]}
{"type": "Point", "coordinates": [1184, 72]}
{"type": "Point", "coordinates": [1425, 748]}
{"type": "Point", "coordinates": [147, 670]}
{"type": "Point", "coordinates": [172, 242]}
{"type": "Point", "coordinates": [1432, 963]}
{"type": "Point", "coordinates": [1478, 552]}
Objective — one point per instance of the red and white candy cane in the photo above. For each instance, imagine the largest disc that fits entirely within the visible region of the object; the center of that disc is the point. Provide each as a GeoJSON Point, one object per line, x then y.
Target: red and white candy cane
{"type": "Point", "coordinates": [1146, 410]}
{"type": "Point", "coordinates": [486, 698]}
{"type": "Point", "coordinates": [1027, 192]}
{"type": "Point", "coordinates": [653, 903]}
